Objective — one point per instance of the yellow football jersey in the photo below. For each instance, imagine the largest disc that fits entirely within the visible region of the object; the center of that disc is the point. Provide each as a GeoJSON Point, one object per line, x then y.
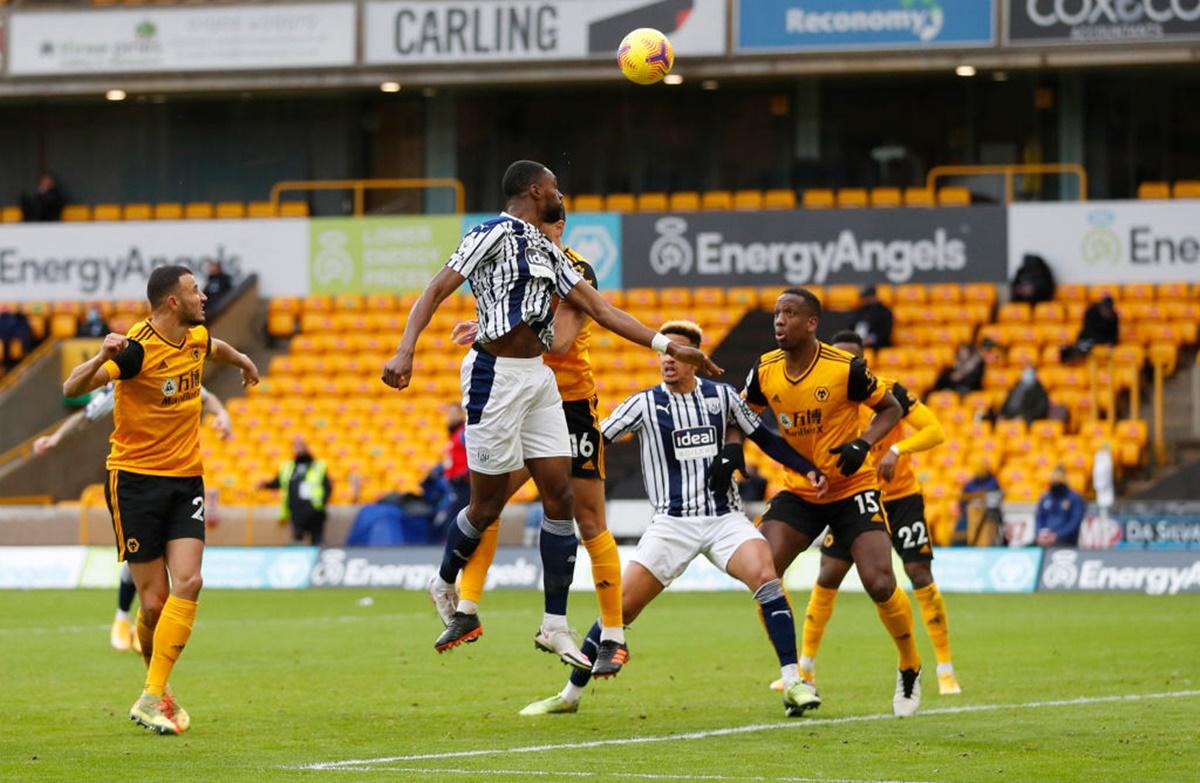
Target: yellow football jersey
{"type": "Point", "coordinates": [157, 402]}
{"type": "Point", "coordinates": [904, 480]}
{"type": "Point", "coordinates": [817, 411]}
{"type": "Point", "coordinates": [573, 369]}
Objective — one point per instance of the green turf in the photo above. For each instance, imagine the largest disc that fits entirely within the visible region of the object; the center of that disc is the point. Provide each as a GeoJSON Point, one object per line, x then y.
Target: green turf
{"type": "Point", "coordinates": [278, 680]}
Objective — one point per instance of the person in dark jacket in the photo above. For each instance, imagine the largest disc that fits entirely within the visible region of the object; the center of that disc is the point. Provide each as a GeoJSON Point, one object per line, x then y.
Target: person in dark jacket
{"type": "Point", "coordinates": [1059, 513]}
{"type": "Point", "coordinates": [305, 490]}
{"type": "Point", "coordinates": [217, 284]}
{"type": "Point", "coordinates": [966, 375]}
{"type": "Point", "coordinates": [1034, 282]}
{"type": "Point", "coordinates": [1027, 399]}
{"type": "Point", "coordinates": [1101, 326]}
{"type": "Point", "coordinates": [92, 325]}
{"type": "Point", "coordinates": [873, 320]}
{"type": "Point", "coordinates": [44, 205]}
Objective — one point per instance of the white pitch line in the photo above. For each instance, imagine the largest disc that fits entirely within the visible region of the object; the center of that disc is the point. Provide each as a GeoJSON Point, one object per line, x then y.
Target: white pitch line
{"type": "Point", "coordinates": [622, 775]}
{"type": "Point", "coordinates": [751, 728]}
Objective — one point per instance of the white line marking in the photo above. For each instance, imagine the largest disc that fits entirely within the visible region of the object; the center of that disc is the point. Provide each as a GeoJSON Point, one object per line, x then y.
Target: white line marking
{"type": "Point", "coordinates": [541, 773]}
{"type": "Point", "coordinates": [752, 728]}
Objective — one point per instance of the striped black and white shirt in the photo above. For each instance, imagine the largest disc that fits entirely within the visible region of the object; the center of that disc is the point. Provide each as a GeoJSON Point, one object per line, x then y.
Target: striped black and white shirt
{"type": "Point", "coordinates": [680, 436]}
{"type": "Point", "coordinates": [514, 270]}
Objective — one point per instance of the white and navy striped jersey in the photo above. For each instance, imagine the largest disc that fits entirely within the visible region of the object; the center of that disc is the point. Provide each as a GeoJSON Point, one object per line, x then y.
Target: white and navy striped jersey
{"type": "Point", "coordinates": [101, 403]}
{"type": "Point", "coordinates": [514, 270]}
{"type": "Point", "coordinates": [680, 436]}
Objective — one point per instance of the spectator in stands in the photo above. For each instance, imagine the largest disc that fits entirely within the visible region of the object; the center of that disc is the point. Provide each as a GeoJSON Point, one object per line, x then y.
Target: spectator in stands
{"type": "Point", "coordinates": [455, 477]}
{"type": "Point", "coordinates": [1034, 282]}
{"type": "Point", "coordinates": [92, 325]}
{"type": "Point", "coordinates": [1059, 513]}
{"type": "Point", "coordinates": [1027, 399]}
{"type": "Point", "coordinates": [1101, 326]}
{"type": "Point", "coordinates": [218, 284]}
{"type": "Point", "coordinates": [873, 320]}
{"type": "Point", "coordinates": [966, 374]}
{"type": "Point", "coordinates": [981, 515]}
{"type": "Point", "coordinates": [45, 204]}
{"type": "Point", "coordinates": [16, 336]}
{"type": "Point", "coordinates": [304, 491]}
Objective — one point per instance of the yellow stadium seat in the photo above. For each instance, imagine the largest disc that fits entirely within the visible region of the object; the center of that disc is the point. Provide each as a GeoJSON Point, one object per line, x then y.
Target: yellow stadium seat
{"type": "Point", "coordinates": [685, 201]}
{"type": "Point", "coordinates": [1153, 190]}
{"type": "Point", "coordinates": [1172, 290]}
{"type": "Point", "coordinates": [851, 198]}
{"type": "Point", "coordinates": [817, 198]}
{"type": "Point", "coordinates": [1137, 292]}
{"type": "Point", "coordinates": [229, 210]}
{"type": "Point", "coordinates": [106, 212]}
{"type": "Point", "coordinates": [285, 304]}
{"type": "Point", "coordinates": [349, 302]}
{"type": "Point", "coordinates": [587, 202]}
{"type": "Point", "coordinates": [675, 297]}
{"type": "Point", "coordinates": [168, 210]}
{"type": "Point", "coordinates": [945, 293]}
{"type": "Point", "coordinates": [1055, 334]}
{"type": "Point", "coordinates": [1186, 188]}
{"type": "Point", "coordinates": [1098, 291]}
{"type": "Point", "coordinates": [911, 293]}
{"type": "Point", "coordinates": [982, 293]}
{"type": "Point", "coordinates": [619, 202]}
{"type": "Point", "coordinates": [954, 196]}
{"type": "Point", "coordinates": [137, 211]}
{"type": "Point", "coordinates": [918, 197]}
{"type": "Point", "coordinates": [751, 200]}
{"type": "Point", "coordinates": [261, 209]}
{"type": "Point", "coordinates": [743, 297]}
{"type": "Point", "coordinates": [381, 302]}
{"type": "Point", "coordinates": [293, 209]}
{"type": "Point", "coordinates": [652, 202]}
{"type": "Point", "coordinates": [1011, 428]}
{"type": "Point", "coordinates": [886, 197]}
{"type": "Point", "coordinates": [76, 213]}
{"type": "Point", "coordinates": [615, 298]}
{"type": "Point", "coordinates": [641, 297]}
{"type": "Point", "coordinates": [198, 210]}
{"type": "Point", "coordinates": [888, 360]}
{"type": "Point", "coordinates": [1023, 354]}
{"type": "Point", "coordinates": [841, 297]}
{"type": "Point", "coordinates": [708, 295]}
{"type": "Point", "coordinates": [281, 324]}
{"type": "Point", "coordinates": [63, 325]}
{"type": "Point", "coordinates": [1014, 312]}
{"type": "Point", "coordinates": [10, 214]}
{"type": "Point", "coordinates": [1046, 429]}
{"type": "Point", "coordinates": [568, 203]}
{"type": "Point", "coordinates": [779, 198]}
{"type": "Point", "coordinates": [318, 303]}
{"type": "Point", "coordinates": [716, 201]}
{"type": "Point", "coordinates": [1049, 312]}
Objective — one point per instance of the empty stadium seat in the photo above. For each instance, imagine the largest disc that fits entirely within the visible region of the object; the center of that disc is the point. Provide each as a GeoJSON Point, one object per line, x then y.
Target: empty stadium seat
{"type": "Point", "coordinates": [198, 210]}
{"type": "Point", "coordinates": [619, 202]}
{"type": "Point", "coordinates": [716, 201]}
{"type": "Point", "coordinates": [851, 198]}
{"type": "Point", "coordinates": [10, 214]}
{"type": "Point", "coordinates": [75, 213]}
{"type": "Point", "coordinates": [652, 202]}
{"type": "Point", "coordinates": [886, 197]}
{"type": "Point", "coordinates": [685, 201]}
{"type": "Point", "coordinates": [168, 210]}
{"type": "Point", "coordinates": [137, 211]}
{"type": "Point", "coordinates": [261, 209]}
{"type": "Point", "coordinates": [1186, 188]}
{"type": "Point", "coordinates": [587, 202]}
{"type": "Point", "coordinates": [106, 212]}
{"type": "Point", "coordinates": [229, 210]}
{"type": "Point", "coordinates": [779, 198]}
{"type": "Point", "coordinates": [293, 209]}
{"type": "Point", "coordinates": [953, 196]}
{"type": "Point", "coordinates": [817, 198]}
{"type": "Point", "coordinates": [918, 197]}
{"type": "Point", "coordinates": [1154, 190]}
{"type": "Point", "coordinates": [749, 200]}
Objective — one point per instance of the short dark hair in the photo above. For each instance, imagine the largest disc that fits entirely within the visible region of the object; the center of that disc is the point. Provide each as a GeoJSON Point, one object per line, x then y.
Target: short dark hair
{"type": "Point", "coordinates": [163, 281]}
{"type": "Point", "coordinates": [809, 298]}
{"type": "Point", "coordinates": [847, 336]}
{"type": "Point", "coordinates": [520, 175]}
{"type": "Point", "coordinates": [688, 329]}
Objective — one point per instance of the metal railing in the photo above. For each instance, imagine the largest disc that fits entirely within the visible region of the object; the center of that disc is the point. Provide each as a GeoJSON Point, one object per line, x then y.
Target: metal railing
{"type": "Point", "coordinates": [1009, 171]}
{"type": "Point", "coordinates": [360, 186]}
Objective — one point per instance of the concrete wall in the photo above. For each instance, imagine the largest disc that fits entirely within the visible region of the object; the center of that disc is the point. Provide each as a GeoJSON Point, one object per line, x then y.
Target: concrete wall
{"type": "Point", "coordinates": [32, 402]}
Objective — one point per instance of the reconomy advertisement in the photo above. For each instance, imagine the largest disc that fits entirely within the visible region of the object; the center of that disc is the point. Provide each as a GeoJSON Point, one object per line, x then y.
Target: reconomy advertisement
{"type": "Point", "coordinates": [1152, 572]}
{"type": "Point", "coordinates": [1109, 241]}
{"type": "Point", "coordinates": [815, 25]}
{"type": "Point", "coordinates": [114, 260]}
{"type": "Point", "coordinates": [1042, 22]}
{"type": "Point", "coordinates": [966, 244]}
{"type": "Point", "coordinates": [455, 31]}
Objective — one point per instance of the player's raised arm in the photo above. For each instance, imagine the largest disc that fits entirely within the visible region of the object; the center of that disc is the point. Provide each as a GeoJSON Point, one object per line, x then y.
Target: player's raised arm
{"type": "Point", "coordinates": [224, 353]}
{"type": "Point", "coordinates": [96, 371]}
{"type": "Point", "coordinates": [397, 373]}
{"type": "Point", "coordinates": [622, 323]}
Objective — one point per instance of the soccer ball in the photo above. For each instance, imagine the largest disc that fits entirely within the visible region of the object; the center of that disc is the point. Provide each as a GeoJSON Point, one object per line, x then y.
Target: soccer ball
{"type": "Point", "coordinates": [645, 56]}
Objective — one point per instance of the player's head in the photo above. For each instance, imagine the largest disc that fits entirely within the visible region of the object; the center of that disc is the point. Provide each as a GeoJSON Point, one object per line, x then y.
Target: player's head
{"type": "Point", "coordinates": [299, 446]}
{"type": "Point", "coordinates": [685, 333]}
{"type": "Point", "coordinates": [797, 313]}
{"type": "Point", "coordinates": [528, 179]}
{"type": "Point", "coordinates": [174, 289]}
{"type": "Point", "coordinates": [849, 341]}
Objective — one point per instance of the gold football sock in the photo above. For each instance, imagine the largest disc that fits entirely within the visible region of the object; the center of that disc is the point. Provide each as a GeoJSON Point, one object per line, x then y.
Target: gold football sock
{"type": "Point", "coordinates": [474, 573]}
{"type": "Point", "coordinates": [820, 609]}
{"type": "Point", "coordinates": [896, 613]}
{"type": "Point", "coordinates": [933, 612]}
{"type": "Point", "coordinates": [606, 573]}
{"type": "Point", "coordinates": [170, 636]}
{"type": "Point", "coordinates": [145, 636]}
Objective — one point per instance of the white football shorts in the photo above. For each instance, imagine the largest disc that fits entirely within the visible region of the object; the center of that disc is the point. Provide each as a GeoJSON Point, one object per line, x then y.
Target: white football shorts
{"type": "Point", "coordinates": [514, 412]}
{"type": "Point", "coordinates": [670, 544]}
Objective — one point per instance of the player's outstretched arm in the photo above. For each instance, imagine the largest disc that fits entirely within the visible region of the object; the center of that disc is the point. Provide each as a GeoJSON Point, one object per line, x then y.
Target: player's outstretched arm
{"type": "Point", "coordinates": [589, 300]}
{"type": "Point", "coordinates": [91, 374]}
{"type": "Point", "coordinates": [778, 449]}
{"type": "Point", "coordinates": [211, 404]}
{"type": "Point", "coordinates": [397, 373]}
{"type": "Point", "coordinates": [74, 422]}
{"type": "Point", "coordinates": [225, 353]}
{"type": "Point", "coordinates": [929, 434]}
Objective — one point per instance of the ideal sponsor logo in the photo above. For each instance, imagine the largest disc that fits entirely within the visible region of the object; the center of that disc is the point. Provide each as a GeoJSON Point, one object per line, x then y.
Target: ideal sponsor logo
{"type": "Point", "coordinates": [1071, 570]}
{"type": "Point", "coordinates": [802, 262]}
{"type": "Point", "coordinates": [695, 442]}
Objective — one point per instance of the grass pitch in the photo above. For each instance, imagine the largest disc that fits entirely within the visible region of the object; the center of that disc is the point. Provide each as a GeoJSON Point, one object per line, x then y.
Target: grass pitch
{"type": "Point", "coordinates": [1056, 687]}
